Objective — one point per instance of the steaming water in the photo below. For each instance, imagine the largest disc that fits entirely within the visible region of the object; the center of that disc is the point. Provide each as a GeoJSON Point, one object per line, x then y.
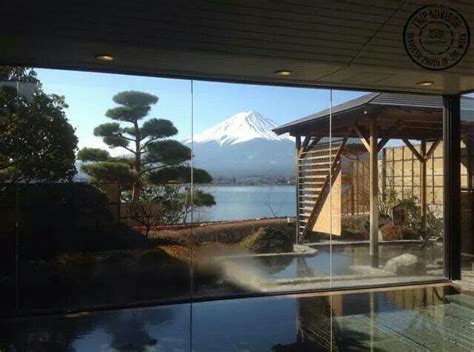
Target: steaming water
{"type": "Point", "coordinates": [262, 274]}
{"type": "Point", "coordinates": [249, 274]}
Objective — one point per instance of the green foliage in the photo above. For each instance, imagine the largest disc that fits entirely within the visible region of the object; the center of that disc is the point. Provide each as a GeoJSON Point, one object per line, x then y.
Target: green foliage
{"type": "Point", "coordinates": [115, 141]}
{"type": "Point", "coordinates": [154, 160]}
{"type": "Point", "coordinates": [110, 172]}
{"type": "Point", "coordinates": [413, 213]}
{"type": "Point", "coordinates": [158, 128]}
{"type": "Point", "coordinates": [123, 113]}
{"type": "Point", "coordinates": [93, 154]}
{"type": "Point", "coordinates": [168, 152]}
{"type": "Point", "coordinates": [134, 99]}
{"type": "Point", "coordinates": [157, 170]}
{"type": "Point", "coordinates": [107, 129]}
{"type": "Point", "coordinates": [203, 199]}
{"type": "Point", "coordinates": [268, 240]}
{"type": "Point", "coordinates": [355, 226]}
{"type": "Point", "coordinates": [22, 74]}
{"type": "Point", "coordinates": [432, 226]}
{"type": "Point", "coordinates": [55, 217]}
{"type": "Point", "coordinates": [36, 140]}
{"type": "Point", "coordinates": [168, 204]}
{"type": "Point", "coordinates": [134, 106]}
{"type": "Point", "coordinates": [391, 232]}
{"type": "Point", "coordinates": [387, 201]}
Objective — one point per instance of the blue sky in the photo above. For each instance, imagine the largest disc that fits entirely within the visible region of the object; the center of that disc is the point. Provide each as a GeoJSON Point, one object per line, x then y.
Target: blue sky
{"type": "Point", "coordinates": [89, 95]}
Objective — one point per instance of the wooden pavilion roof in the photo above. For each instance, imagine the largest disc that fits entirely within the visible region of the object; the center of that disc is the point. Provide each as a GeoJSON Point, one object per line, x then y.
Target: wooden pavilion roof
{"type": "Point", "coordinates": [398, 116]}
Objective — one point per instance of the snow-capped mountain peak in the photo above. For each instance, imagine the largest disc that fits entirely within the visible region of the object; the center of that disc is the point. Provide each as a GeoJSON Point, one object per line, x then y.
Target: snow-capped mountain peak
{"type": "Point", "coordinates": [238, 128]}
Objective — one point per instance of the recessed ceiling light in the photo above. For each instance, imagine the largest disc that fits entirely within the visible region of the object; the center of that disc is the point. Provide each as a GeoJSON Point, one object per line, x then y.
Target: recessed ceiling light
{"type": "Point", "coordinates": [425, 83]}
{"type": "Point", "coordinates": [283, 73]}
{"type": "Point", "coordinates": [104, 57]}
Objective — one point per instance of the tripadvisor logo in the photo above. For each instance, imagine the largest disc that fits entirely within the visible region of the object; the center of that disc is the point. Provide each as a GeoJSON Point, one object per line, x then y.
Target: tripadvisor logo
{"type": "Point", "coordinates": [436, 37]}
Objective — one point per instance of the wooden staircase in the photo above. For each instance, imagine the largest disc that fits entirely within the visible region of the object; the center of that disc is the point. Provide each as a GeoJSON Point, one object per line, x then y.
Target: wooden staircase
{"type": "Point", "coordinates": [318, 167]}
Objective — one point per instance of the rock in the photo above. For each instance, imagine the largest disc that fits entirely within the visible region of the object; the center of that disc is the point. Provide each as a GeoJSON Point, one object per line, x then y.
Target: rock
{"type": "Point", "coordinates": [302, 249]}
{"type": "Point", "coordinates": [268, 240]}
{"type": "Point", "coordinates": [405, 264]}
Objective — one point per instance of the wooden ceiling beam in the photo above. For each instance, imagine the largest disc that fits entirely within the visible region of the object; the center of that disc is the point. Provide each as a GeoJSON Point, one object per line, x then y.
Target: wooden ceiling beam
{"type": "Point", "coordinates": [432, 149]}
{"type": "Point", "coordinates": [413, 150]}
{"type": "Point", "coordinates": [363, 139]}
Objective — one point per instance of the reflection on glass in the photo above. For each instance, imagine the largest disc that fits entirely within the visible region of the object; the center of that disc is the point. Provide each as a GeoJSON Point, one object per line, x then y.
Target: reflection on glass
{"type": "Point", "coordinates": [388, 204]}
{"type": "Point", "coordinates": [160, 328]}
{"type": "Point", "coordinates": [101, 206]}
{"type": "Point", "coordinates": [245, 242]}
{"type": "Point", "coordinates": [392, 320]}
{"type": "Point", "coordinates": [467, 200]}
{"type": "Point", "coordinates": [91, 174]}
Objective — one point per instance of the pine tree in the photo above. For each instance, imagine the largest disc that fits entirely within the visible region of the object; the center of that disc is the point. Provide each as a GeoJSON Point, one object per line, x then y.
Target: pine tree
{"type": "Point", "coordinates": [156, 159]}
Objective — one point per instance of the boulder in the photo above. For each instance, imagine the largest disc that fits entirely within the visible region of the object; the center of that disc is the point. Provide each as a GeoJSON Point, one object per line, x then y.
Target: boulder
{"type": "Point", "coordinates": [405, 264]}
{"type": "Point", "coordinates": [302, 249]}
{"type": "Point", "coordinates": [268, 240]}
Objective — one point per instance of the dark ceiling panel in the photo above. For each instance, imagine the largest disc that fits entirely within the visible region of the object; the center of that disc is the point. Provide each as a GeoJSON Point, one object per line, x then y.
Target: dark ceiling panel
{"type": "Point", "coordinates": [323, 42]}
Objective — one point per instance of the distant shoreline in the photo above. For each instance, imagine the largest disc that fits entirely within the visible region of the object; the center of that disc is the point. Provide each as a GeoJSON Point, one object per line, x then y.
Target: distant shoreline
{"type": "Point", "coordinates": [251, 184]}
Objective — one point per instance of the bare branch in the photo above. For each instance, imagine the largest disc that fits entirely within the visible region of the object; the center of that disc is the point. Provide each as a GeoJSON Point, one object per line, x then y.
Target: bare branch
{"type": "Point", "coordinates": [124, 137]}
{"type": "Point", "coordinates": [151, 169]}
{"type": "Point", "coordinates": [147, 142]}
{"type": "Point", "coordinates": [130, 150]}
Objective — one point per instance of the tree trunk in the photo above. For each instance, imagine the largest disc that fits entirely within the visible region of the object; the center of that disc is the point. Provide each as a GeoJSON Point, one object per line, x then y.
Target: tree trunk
{"type": "Point", "coordinates": [136, 189]}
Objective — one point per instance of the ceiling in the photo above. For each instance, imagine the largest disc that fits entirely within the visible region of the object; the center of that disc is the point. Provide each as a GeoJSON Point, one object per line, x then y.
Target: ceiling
{"type": "Point", "coordinates": [331, 43]}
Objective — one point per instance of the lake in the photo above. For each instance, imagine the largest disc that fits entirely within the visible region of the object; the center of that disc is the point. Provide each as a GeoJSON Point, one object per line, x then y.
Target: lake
{"type": "Point", "coordinates": [249, 202]}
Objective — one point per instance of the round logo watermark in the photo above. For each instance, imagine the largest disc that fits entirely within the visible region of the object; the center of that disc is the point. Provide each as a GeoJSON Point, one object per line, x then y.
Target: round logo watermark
{"type": "Point", "coordinates": [436, 37]}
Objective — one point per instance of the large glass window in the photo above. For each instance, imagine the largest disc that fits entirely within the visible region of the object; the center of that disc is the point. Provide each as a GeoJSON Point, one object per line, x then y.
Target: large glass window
{"type": "Point", "coordinates": [387, 201]}
{"type": "Point", "coordinates": [245, 241]}
{"type": "Point", "coordinates": [92, 169]}
{"type": "Point", "coordinates": [120, 190]}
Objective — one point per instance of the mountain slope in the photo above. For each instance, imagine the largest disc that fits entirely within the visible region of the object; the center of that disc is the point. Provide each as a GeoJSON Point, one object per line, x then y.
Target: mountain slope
{"type": "Point", "coordinates": [244, 145]}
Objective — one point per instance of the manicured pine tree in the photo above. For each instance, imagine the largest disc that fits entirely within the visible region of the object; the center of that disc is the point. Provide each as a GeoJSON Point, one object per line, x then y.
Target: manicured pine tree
{"type": "Point", "coordinates": [156, 159]}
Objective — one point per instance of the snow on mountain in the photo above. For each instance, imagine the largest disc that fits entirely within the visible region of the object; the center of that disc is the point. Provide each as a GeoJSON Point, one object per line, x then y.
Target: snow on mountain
{"type": "Point", "coordinates": [241, 127]}
{"type": "Point", "coordinates": [244, 145]}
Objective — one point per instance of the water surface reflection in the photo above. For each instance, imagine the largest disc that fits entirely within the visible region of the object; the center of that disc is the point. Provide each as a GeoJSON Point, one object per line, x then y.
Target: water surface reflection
{"type": "Point", "coordinates": [347, 322]}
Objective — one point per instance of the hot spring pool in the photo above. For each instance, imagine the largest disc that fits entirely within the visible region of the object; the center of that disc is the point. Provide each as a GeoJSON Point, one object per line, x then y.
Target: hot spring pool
{"type": "Point", "coordinates": [338, 263]}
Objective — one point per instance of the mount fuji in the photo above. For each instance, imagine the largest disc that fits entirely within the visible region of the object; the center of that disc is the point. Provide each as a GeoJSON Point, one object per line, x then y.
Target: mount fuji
{"type": "Point", "coordinates": [244, 145]}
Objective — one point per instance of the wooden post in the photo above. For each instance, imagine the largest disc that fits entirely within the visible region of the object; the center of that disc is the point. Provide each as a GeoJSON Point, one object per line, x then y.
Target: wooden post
{"type": "Point", "coordinates": [451, 182]}
{"type": "Point", "coordinates": [433, 198]}
{"type": "Point", "coordinates": [413, 176]}
{"type": "Point", "coordinates": [297, 185]}
{"type": "Point", "coordinates": [384, 174]}
{"type": "Point", "coordinates": [467, 206]}
{"type": "Point", "coordinates": [374, 200]}
{"type": "Point", "coordinates": [352, 193]}
{"type": "Point", "coordinates": [468, 144]}
{"type": "Point", "coordinates": [423, 182]}
{"type": "Point", "coordinates": [403, 172]}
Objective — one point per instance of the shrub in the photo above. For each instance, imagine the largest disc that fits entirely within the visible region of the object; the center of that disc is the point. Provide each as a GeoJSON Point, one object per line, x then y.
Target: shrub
{"type": "Point", "coordinates": [391, 232]}
{"type": "Point", "coordinates": [268, 240]}
{"type": "Point", "coordinates": [355, 227]}
{"type": "Point", "coordinates": [414, 227]}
